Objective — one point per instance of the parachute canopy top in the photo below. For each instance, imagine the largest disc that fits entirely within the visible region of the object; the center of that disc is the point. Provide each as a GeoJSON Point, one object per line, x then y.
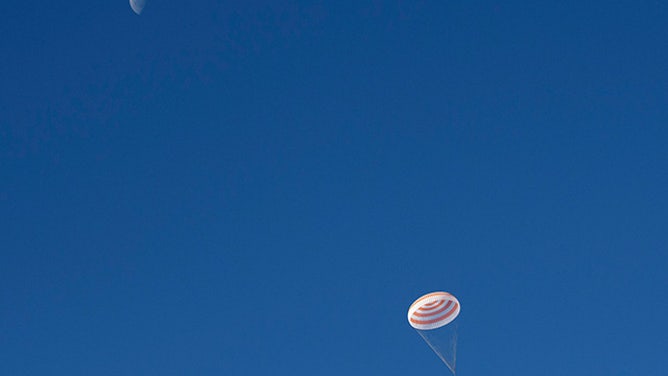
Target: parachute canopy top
{"type": "Point", "coordinates": [432, 311]}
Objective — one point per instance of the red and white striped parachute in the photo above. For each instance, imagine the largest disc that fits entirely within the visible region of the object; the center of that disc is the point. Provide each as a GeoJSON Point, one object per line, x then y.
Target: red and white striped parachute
{"type": "Point", "coordinates": [433, 311]}
{"type": "Point", "coordinates": [430, 315]}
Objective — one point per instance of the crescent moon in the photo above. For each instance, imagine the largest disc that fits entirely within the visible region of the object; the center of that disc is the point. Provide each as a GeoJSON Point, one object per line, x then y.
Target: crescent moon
{"type": "Point", "coordinates": [137, 5]}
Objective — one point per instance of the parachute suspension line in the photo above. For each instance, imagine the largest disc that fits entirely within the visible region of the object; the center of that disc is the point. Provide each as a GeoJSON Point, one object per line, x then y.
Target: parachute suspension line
{"type": "Point", "coordinates": [440, 356]}
{"type": "Point", "coordinates": [454, 352]}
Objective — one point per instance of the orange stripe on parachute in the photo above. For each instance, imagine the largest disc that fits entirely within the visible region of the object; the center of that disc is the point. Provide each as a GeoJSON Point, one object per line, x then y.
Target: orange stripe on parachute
{"type": "Point", "coordinates": [430, 314]}
{"type": "Point", "coordinates": [440, 293]}
{"type": "Point", "coordinates": [420, 322]}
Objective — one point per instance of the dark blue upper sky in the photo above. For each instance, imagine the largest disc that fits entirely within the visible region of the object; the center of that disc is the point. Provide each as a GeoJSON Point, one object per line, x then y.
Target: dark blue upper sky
{"type": "Point", "coordinates": [263, 187]}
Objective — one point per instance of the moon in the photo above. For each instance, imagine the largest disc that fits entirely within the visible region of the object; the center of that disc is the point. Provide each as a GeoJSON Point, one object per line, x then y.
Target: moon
{"type": "Point", "coordinates": [137, 5]}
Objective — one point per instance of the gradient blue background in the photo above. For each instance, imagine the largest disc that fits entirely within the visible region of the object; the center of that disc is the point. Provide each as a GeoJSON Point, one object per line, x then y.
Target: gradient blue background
{"type": "Point", "coordinates": [263, 187]}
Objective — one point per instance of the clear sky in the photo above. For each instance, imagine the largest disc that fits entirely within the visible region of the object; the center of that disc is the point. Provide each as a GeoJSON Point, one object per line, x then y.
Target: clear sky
{"type": "Point", "coordinates": [263, 187]}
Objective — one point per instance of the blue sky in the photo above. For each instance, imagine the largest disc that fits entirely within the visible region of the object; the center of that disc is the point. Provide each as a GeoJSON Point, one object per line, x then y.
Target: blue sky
{"type": "Point", "coordinates": [262, 187]}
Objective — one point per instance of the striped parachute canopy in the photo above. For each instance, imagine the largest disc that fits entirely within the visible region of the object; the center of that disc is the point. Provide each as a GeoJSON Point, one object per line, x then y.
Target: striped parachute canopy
{"type": "Point", "coordinates": [433, 311]}
{"type": "Point", "coordinates": [430, 315]}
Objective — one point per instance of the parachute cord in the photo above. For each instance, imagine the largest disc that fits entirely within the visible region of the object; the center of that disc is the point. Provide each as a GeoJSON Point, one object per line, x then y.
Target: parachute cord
{"type": "Point", "coordinates": [438, 353]}
{"type": "Point", "coordinates": [454, 353]}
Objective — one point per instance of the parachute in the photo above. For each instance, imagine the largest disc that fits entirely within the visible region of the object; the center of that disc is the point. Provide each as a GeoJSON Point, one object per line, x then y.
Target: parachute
{"type": "Point", "coordinates": [137, 5]}
{"type": "Point", "coordinates": [432, 316]}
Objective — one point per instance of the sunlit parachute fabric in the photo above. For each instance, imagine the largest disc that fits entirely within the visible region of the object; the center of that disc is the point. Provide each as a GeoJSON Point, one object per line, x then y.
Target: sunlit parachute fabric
{"type": "Point", "coordinates": [432, 316]}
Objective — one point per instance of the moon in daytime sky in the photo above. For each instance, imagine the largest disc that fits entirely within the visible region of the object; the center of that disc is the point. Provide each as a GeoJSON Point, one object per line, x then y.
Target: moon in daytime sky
{"type": "Point", "coordinates": [137, 5]}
